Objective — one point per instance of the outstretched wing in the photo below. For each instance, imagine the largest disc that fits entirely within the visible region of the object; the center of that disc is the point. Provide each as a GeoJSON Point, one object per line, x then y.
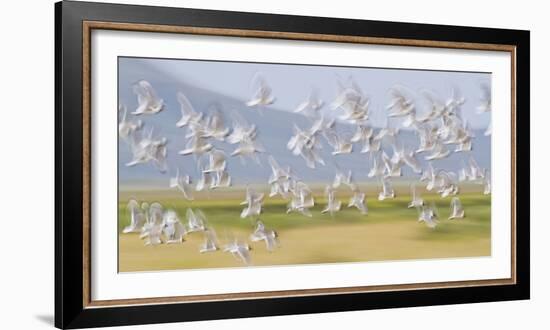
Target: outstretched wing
{"type": "Point", "coordinates": [185, 105]}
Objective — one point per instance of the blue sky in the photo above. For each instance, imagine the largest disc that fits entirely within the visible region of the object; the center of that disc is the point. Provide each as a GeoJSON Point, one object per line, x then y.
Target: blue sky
{"type": "Point", "coordinates": [292, 83]}
{"type": "Point", "coordinates": [228, 83]}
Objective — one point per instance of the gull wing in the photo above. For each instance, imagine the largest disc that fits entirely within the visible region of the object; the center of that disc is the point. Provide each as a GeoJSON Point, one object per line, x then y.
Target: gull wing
{"type": "Point", "coordinates": [303, 106]}
{"type": "Point", "coordinates": [148, 90]}
{"type": "Point", "coordinates": [200, 217]}
{"type": "Point", "coordinates": [185, 105]}
{"type": "Point", "coordinates": [243, 254]}
{"type": "Point", "coordinates": [387, 186]}
{"type": "Point", "coordinates": [190, 215]}
{"type": "Point", "coordinates": [332, 138]}
{"type": "Point", "coordinates": [411, 161]}
{"type": "Point", "coordinates": [216, 121]}
{"type": "Point", "coordinates": [217, 159]}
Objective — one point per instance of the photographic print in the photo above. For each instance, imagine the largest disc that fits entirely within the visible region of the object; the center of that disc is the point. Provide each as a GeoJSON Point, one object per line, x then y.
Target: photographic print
{"type": "Point", "coordinates": [214, 164]}
{"type": "Point", "coordinates": [243, 164]}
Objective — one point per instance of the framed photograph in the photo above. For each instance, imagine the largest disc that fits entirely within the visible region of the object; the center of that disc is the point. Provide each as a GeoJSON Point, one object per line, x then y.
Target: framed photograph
{"type": "Point", "coordinates": [221, 164]}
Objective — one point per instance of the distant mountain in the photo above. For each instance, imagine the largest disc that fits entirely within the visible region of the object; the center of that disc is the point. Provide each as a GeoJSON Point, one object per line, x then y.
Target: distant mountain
{"type": "Point", "coordinates": [274, 127]}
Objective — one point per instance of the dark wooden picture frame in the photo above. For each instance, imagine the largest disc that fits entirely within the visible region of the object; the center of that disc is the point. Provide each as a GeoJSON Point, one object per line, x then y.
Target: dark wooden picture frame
{"type": "Point", "coordinates": [74, 22]}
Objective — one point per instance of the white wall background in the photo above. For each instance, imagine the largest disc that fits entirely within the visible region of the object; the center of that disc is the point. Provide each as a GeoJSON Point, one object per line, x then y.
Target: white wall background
{"type": "Point", "coordinates": [27, 163]}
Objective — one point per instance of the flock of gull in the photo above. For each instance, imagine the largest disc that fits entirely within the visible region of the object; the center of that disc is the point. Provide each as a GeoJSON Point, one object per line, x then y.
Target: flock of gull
{"type": "Point", "coordinates": [441, 132]}
{"type": "Point", "coordinates": [157, 225]}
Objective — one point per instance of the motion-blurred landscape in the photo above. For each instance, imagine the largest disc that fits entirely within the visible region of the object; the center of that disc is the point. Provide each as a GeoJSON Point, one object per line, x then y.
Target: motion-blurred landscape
{"type": "Point", "coordinates": [390, 230]}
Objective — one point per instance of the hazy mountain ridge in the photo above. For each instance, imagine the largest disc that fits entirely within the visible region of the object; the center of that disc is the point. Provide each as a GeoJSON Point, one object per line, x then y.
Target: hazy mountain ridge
{"type": "Point", "coordinates": [274, 130]}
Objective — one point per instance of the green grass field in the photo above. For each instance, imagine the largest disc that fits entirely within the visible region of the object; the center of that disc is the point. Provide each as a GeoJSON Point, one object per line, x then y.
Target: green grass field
{"type": "Point", "coordinates": [390, 231]}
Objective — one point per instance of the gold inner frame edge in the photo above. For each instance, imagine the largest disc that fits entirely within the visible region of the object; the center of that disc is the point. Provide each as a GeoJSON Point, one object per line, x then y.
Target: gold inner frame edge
{"type": "Point", "coordinates": [88, 26]}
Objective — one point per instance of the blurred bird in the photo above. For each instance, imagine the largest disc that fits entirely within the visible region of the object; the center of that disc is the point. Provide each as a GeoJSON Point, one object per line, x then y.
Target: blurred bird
{"type": "Point", "coordinates": [248, 148]}
{"type": "Point", "coordinates": [387, 189]}
{"type": "Point", "coordinates": [427, 136]}
{"type": "Point", "coordinates": [333, 205]}
{"type": "Point", "coordinates": [439, 151]}
{"type": "Point", "coordinates": [182, 183]}
{"type": "Point", "coordinates": [358, 200]}
{"type": "Point", "coordinates": [148, 102]}
{"type": "Point", "coordinates": [340, 144]}
{"type": "Point", "coordinates": [126, 127]}
{"type": "Point", "coordinates": [400, 105]}
{"type": "Point", "coordinates": [215, 124]}
{"type": "Point", "coordinates": [195, 221]}
{"type": "Point", "coordinates": [429, 175]}
{"type": "Point", "coordinates": [311, 105]}
{"type": "Point", "coordinates": [486, 183]}
{"type": "Point", "coordinates": [156, 212]}
{"type": "Point", "coordinates": [148, 149]}
{"type": "Point", "coordinates": [454, 102]}
{"type": "Point", "coordinates": [269, 236]}
{"type": "Point", "coordinates": [197, 145]}
{"type": "Point", "coordinates": [279, 180]}
{"type": "Point", "coordinates": [152, 234]}
{"type": "Point", "coordinates": [446, 183]}
{"type": "Point", "coordinates": [152, 229]}
{"type": "Point", "coordinates": [348, 93]}
{"type": "Point", "coordinates": [436, 107]}
{"type": "Point", "coordinates": [378, 168]}
{"type": "Point", "coordinates": [173, 229]}
{"type": "Point", "coordinates": [305, 144]}
{"type": "Point", "coordinates": [242, 131]}
{"type": "Point", "coordinates": [343, 178]}
{"type": "Point", "coordinates": [221, 179]}
{"type": "Point", "coordinates": [456, 209]}
{"type": "Point", "coordinates": [261, 92]}
{"type": "Point", "coordinates": [428, 215]}
{"type": "Point", "coordinates": [241, 251]}
{"type": "Point", "coordinates": [485, 99]}
{"type": "Point", "coordinates": [363, 134]}
{"type": "Point", "coordinates": [210, 241]}
{"type": "Point", "coordinates": [217, 161]}
{"type": "Point", "coordinates": [489, 130]}
{"type": "Point", "coordinates": [302, 199]}
{"type": "Point", "coordinates": [417, 200]}
{"type": "Point", "coordinates": [352, 102]}
{"type": "Point", "coordinates": [253, 202]}
{"type": "Point", "coordinates": [485, 105]}
{"type": "Point", "coordinates": [475, 171]}
{"type": "Point", "coordinates": [145, 209]}
{"type": "Point", "coordinates": [204, 182]}
{"type": "Point", "coordinates": [188, 113]}
{"type": "Point", "coordinates": [137, 218]}
{"type": "Point", "coordinates": [400, 158]}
